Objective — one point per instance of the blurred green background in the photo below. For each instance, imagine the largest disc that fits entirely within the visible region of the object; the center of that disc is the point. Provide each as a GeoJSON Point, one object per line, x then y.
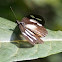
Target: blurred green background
{"type": "Point", "coordinates": [50, 10]}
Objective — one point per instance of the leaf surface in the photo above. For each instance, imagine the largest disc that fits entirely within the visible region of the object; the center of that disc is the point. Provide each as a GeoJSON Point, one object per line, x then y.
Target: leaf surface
{"type": "Point", "coordinates": [12, 48]}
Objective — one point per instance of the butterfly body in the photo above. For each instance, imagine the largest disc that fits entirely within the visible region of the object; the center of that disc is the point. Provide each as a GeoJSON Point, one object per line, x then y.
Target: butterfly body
{"type": "Point", "coordinates": [32, 30]}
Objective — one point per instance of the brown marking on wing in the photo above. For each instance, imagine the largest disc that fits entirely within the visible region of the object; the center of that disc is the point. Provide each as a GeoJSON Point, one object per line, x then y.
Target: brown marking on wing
{"type": "Point", "coordinates": [41, 31]}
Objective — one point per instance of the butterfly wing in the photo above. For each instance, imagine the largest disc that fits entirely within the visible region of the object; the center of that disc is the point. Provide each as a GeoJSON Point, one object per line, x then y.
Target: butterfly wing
{"type": "Point", "coordinates": [32, 31]}
{"type": "Point", "coordinates": [29, 35]}
{"type": "Point", "coordinates": [35, 27]}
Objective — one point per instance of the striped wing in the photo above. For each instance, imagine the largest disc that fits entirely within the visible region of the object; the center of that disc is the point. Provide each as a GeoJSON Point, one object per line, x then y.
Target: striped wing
{"type": "Point", "coordinates": [31, 37]}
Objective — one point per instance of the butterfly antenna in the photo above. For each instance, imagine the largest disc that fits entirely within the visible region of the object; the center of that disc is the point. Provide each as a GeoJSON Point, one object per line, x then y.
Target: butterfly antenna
{"type": "Point", "coordinates": [13, 12]}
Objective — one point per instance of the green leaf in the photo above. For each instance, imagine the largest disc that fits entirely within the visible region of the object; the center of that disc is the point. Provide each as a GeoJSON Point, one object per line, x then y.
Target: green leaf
{"type": "Point", "coordinates": [12, 48]}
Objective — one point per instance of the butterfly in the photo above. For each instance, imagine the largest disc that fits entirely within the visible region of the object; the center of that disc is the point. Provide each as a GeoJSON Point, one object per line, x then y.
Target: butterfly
{"type": "Point", "coordinates": [33, 29]}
